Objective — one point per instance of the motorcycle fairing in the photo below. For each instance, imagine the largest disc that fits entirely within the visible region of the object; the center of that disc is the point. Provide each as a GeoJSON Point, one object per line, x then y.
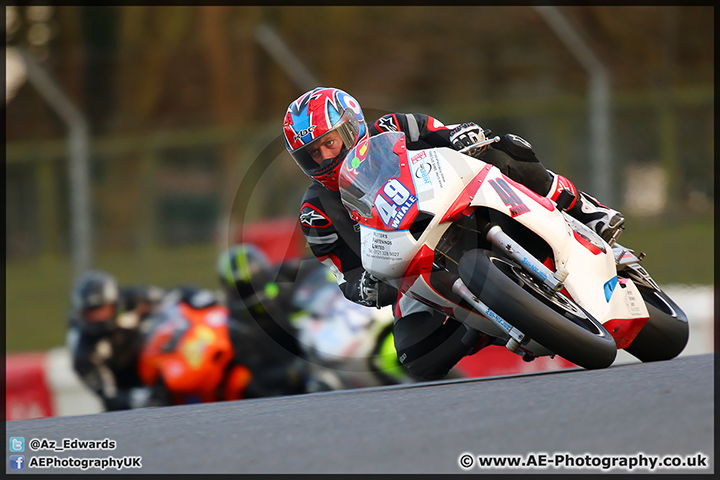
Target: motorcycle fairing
{"type": "Point", "coordinates": [627, 313]}
{"type": "Point", "coordinates": [462, 202]}
{"type": "Point", "coordinates": [190, 361]}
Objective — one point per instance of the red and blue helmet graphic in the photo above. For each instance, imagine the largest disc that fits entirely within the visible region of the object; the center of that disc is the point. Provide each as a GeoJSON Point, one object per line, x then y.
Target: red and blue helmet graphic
{"type": "Point", "coordinates": [312, 116]}
{"type": "Point", "coordinates": [317, 112]}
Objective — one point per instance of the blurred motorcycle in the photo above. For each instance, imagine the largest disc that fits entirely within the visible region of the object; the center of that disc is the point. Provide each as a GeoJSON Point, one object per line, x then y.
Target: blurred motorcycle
{"type": "Point", "coordinates": [347, 345]}
{"type": "Point", "coordinates": [188, 355]}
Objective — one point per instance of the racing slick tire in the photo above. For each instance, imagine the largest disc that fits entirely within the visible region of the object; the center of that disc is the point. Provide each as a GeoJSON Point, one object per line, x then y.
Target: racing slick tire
{"type": "Point", "coordinates": [549, 318]}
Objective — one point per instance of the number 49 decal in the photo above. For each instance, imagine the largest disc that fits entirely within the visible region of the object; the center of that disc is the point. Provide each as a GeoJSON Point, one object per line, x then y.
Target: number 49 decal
{"type": "Point", "coordinates": [509, 197]}
{"type": "Point", "coordinates": [393, 202]}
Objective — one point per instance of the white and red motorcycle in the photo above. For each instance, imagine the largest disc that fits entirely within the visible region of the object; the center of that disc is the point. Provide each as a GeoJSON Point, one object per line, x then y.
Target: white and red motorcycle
{"type": "Point", "coordinates": [454, 233]}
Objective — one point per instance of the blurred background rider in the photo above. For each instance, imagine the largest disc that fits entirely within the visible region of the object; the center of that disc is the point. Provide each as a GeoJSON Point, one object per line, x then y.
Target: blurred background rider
{"type": "Point", "coordinates": [258, 296]}
{"type": "Point", "coordinates": [104, 336]}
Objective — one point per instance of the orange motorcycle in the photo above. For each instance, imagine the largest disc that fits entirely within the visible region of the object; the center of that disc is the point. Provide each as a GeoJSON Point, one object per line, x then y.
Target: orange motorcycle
{"type": "Point", "coordinates": [188, 356]}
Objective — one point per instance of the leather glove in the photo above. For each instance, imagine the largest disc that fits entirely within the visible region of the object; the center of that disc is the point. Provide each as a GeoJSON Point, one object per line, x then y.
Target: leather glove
{"type": "Point", "coordinates": [467, 134]}
{"type": "Point", "coordinates": [374, 293]}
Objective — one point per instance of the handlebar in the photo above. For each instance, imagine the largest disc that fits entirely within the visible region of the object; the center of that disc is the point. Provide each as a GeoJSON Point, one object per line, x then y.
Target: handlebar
{"type": "Point", "coordinates": [487, 141]}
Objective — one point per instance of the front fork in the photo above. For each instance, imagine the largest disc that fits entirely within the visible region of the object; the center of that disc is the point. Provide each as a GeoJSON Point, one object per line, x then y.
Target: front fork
{"type": "Point", "coordinates": [553, 280]}
{"type": "Point", "coordinates": [517, 338]}
{"type": "Point", "coordinates": [536, 269]}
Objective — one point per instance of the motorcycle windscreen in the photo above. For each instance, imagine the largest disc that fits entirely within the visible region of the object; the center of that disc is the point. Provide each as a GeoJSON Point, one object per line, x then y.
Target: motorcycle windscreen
{"type": "Point", "coordinates": [366, 168]}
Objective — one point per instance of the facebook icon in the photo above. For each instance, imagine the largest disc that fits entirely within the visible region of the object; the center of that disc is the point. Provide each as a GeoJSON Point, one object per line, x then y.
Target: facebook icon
{"type": "Point", "coordinates": [17, 462]}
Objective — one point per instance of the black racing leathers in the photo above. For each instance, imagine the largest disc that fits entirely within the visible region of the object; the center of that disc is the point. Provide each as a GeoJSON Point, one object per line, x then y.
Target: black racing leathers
{"type": "Point", "coordinates": [106, 361]}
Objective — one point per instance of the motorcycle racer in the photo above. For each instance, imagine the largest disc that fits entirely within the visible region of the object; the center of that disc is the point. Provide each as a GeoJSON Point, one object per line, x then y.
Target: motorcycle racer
{"type": "Point", "coordinates": [320, 127]}
{"type": "Point", "coordinates": [104, 336]}
{"type": "Point", "coordinates": [258, 296]}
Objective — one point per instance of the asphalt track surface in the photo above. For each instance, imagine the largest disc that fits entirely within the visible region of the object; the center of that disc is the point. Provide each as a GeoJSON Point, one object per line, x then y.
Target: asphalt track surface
{"type": "Point", "coordinates": [632, 411]}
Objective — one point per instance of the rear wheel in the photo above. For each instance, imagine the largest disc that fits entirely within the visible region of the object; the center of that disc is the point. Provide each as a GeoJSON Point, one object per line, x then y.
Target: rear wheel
{"type": "Point", "coordinates": [549, 318]}
{"type": "Point", "coordinates": [665, 334]}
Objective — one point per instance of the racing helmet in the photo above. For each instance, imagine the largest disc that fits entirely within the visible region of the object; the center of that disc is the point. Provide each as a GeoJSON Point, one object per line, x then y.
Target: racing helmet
{"type": "Point", "coordinates": [314, 115]}
{"type": "Point", "coordinates": [95, 301]}
{"type": "Point", "coordinates": [245, 274]}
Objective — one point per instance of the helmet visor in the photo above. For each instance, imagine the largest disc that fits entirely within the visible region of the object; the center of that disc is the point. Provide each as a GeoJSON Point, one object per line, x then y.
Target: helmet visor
{"type": "Point", "coordinates": [348, 128]}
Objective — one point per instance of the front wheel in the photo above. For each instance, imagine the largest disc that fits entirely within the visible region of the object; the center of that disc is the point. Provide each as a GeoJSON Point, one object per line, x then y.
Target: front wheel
{"type": "Point", "coordinates": [549, 318]}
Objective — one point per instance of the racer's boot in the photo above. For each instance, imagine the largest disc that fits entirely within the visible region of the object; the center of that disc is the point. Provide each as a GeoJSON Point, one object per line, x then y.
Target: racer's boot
{"type": "Point", "coordinates": [608, 223]}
